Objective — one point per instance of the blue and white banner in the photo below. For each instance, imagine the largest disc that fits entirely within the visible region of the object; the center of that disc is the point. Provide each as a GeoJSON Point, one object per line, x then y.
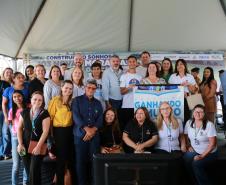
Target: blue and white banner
{"type": "Point", "coordinates": [152, 96]}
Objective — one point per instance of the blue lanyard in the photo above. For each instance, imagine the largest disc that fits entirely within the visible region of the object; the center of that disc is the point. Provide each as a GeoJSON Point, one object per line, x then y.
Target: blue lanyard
{"type": "Point", "coordinates": [34, 118]}
{"type": "Point", "coordinates": [169, 128]}
{"type": "Point", "coordinates": [197, 132]}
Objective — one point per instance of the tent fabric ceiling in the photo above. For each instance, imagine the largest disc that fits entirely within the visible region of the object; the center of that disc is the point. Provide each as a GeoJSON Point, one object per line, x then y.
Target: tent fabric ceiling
{"type": "Point", "coordinates": [179, 25]}
{"type": "Point", "coordinates": [100, 25]}
{"type": "Point", "coordinates": [81, 25]}
{"type": "Point", "coordinates": [15, 18]}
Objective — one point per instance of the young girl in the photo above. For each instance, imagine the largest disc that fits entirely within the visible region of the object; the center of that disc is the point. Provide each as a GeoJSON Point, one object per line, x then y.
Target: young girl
{"type": "Point", "coordinates": [18, 105]}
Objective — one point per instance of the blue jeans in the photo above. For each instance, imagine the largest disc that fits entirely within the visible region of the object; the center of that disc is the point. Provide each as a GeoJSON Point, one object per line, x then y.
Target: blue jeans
{"type": "Point", "coordinates": [84, 154]}
{"type": "Point", "coordinates": [116, 104]}
{"type": "Point", "coordinates": [1, 135]}
{"type": "Point", "coordinates": [16, 164]}
{"type": "Point", "coordinates": [6, 136]}
{"type": "Point", "coordinates": [197, 168]}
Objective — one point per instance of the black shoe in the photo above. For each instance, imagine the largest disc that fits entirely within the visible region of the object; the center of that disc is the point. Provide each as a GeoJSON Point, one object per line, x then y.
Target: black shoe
{"type": "Point", "coordinates": [1, 158]}
{"type": "Point", "coordinates": [222, 127]}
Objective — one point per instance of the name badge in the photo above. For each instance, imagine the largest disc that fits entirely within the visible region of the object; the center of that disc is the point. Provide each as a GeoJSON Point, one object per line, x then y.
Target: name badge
{"type": "Point", "coordinates": [196, 142]}
{"type": "Point", "coordinates": [170, 138]}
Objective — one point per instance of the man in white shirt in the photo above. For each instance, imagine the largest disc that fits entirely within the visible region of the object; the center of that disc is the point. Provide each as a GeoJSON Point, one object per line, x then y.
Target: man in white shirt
{"type": "Point", "coordinates": [127, 82]}
{"type": "Point", "coordinates": [78, 61]}
{"type": "Point", "coordinates": [145, 59]}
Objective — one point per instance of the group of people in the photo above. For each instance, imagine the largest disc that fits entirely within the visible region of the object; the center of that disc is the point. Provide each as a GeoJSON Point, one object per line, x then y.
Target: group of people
{"type": "Point", "coordinates": [73, 116]}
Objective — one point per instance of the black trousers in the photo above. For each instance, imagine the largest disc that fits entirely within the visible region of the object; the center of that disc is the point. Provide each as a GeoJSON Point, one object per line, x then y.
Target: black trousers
{"type": "Point", "coordinates": [32, 165]}
{"type": "Point", "coordinates": [64, 151]}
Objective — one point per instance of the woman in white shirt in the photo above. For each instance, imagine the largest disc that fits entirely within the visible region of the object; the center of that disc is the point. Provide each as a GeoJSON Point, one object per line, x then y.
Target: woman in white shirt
{"type": "Point", "coordinates": [201, 142]}
{"type": "Point", "coordinates": [52, 86]}
{"type": "Point", "coordinates": [77, 77]}
{"type": "Point", "coordinates": [170, 130]}
{"type": "Point", "coordinates": [181, 76]}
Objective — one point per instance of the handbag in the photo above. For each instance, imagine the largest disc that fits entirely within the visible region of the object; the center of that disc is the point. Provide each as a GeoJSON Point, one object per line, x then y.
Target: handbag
{"type": "Point", "coordinates": [116, 149]}
{"type": "Point", "coordinates": [194, 100]}
{"type": "Point", "coordinates": [33, 144]}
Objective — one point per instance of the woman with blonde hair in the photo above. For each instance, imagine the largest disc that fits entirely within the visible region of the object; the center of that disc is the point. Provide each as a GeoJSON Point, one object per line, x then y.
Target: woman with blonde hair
{"type": "Point", "coordinates": [61, 118]}
{"type": "Point", "coordinates": [33, 129]}
{"type": "Point", "coordinates": [77, 78]}
{"type": "Point", "coordinates": [7, 75]}
{"type": "Point", "coordinates": [170, 130]}
{"type": "Point", "coordinates": [37, 84]}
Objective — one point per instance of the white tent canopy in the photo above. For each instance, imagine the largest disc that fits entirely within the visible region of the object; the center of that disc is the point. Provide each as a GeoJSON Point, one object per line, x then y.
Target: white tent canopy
{"type": "Point", "coordinates": [30, 26]}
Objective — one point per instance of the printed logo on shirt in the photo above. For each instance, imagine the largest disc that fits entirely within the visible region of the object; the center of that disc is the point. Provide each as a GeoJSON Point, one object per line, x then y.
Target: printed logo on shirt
{"type": "Point", "coordinates": [99, 86]}
{"type": "Point", "coordinates": [134, 81]}
{"type": "Point", "coordinates": [148, 132]}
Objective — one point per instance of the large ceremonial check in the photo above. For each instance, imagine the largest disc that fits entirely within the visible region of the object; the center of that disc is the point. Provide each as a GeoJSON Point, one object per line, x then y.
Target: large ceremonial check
{"type": "Point", "coordinates": [152, 96]}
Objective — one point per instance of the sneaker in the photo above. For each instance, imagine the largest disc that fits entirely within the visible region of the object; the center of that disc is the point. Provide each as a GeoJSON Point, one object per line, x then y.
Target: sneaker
{"type": "Point", "coordinates": [7, 157]}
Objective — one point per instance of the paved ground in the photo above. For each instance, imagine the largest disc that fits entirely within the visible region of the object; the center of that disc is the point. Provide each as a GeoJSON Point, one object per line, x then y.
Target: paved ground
{"type": "Point", "coordinates": [6, 167]}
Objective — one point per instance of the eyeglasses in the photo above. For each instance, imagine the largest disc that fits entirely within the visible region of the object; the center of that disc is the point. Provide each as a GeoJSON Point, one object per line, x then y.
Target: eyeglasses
{"type": "Point", "coordinates": [91, 88]}
{"type": "Point", "coordinates": [165, 109]}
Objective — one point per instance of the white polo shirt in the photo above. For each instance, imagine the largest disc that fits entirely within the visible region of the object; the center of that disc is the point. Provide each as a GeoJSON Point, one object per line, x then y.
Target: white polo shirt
{"type": "Point", "coordinates": [169, 137]}
{"type": "Point", "coordinates": [176, 79]}
{"type": "Point", "coordinates": [202, 136]}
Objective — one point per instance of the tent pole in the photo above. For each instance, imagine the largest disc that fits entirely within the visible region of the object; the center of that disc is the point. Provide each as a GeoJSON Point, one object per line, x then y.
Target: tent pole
{"type": "Point", "coordinates": [130, 25]}
{"type": "Point", "coordinates": [6, 55]}
{"type": "Point", "coordinates": [31, 26]}
{"type": "Point", "coordinates": [15, 64]}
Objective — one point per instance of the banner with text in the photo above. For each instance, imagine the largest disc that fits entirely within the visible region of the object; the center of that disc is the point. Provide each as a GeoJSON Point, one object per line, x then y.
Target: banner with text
{"type": "Point", "coordinates": [152, 96]}
{"type": "Point", "coordinates": [193, 59]}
